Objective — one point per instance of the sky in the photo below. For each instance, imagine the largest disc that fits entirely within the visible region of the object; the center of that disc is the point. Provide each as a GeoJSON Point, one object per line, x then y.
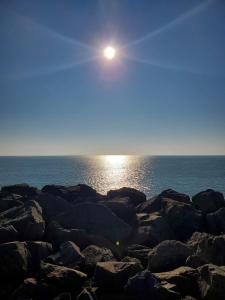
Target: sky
{"type": "Point", "coordinates": [163, 94]}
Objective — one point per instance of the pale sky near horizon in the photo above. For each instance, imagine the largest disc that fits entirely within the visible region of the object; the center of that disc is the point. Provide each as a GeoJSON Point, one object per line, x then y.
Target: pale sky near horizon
{"type": "Point", "coordinates": [164, 93]}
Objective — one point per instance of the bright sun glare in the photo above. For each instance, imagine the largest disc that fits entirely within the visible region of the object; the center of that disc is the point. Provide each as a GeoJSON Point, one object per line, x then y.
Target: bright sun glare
{"type": "Point", "coordinates": [109, 52]}
{"type": "Point", "coordinates": [115, 160]}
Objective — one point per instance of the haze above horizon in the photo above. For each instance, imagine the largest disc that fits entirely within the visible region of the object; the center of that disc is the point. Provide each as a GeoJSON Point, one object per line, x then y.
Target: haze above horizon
{"type": "Point", "coordinates": [158, 88]}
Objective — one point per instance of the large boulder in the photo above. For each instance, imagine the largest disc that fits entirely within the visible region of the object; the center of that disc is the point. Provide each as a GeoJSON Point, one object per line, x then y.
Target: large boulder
{"type": "Point", "coordinates": [8, 234]}
{"type": "Point", "coordinates": [75, 194]}
{"type": "Point", "coordinates": [167, 256]}
{"type": "Point", "coordinates": [96, 219]}
{"type": "Point", "coordinates": [123, 209]}
{"type": "Point", "coordinates": [23, 189]}
{"type": "Point", "coordinates": [69, 255]}
{"type": "Point", "coordinates": [171, 194]}
{"type": "Point", "coordinates": [20, 259]}
{"type": "Point", "coordinates": [31, 288]}
{"type": "Point", "coordinates": [94, 254]}
{"type": "Point", "coordinates": [208, 201]}
{"type": "Point", "coordinates": [182, 218]}
{"type": "Point", "coordinates": [7, 203]}
{"type": "Point", "coordinates": [206, 249]}
{"type": "Point", "coordinates": [140, 252]}
{"type": "Point", "coordinates": [152, 205]}
{"type": "Point", "coordinates": [212, 282]}
{"type": "Point", "coordinates": [135, 197]}
{"type": "Point", "coordinates": [15, 260]}
{"type": "Point", "coordinates": [56, 235]}
{"type": "Point", "coordinates": [113, 275]}
{"type": "Point", "coordinates": [144, 286]}
{"type": "Point", "coordinates": [26, 219]}
{"type": "Point", "coordinates": [157, 228]}
{"type": "Point", "coordinates": [216, 221]}
{"type": "Point", "coordinates": [66, 279]}
{"type": "Point", "coordinates": [184, 279]}
{"type": "Point", "coordinates": [52, 205]}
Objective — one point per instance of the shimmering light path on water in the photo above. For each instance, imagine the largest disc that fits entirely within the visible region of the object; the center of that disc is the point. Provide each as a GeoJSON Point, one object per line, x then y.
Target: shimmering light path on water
{"type": "Point", "coordinates": [150, 174]}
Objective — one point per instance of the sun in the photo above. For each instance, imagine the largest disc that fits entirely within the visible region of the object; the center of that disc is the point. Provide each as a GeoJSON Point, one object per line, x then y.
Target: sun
{"type": "Point", "coordinates": [109, 52]}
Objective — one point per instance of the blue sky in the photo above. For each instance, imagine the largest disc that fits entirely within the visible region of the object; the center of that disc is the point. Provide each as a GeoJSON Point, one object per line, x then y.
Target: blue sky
{"type": "Point", "coordinates": [164, 93]}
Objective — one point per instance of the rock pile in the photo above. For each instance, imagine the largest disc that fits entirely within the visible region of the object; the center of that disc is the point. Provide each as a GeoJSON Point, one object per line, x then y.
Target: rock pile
{"type": "Point", "coordinates": [74, 243]}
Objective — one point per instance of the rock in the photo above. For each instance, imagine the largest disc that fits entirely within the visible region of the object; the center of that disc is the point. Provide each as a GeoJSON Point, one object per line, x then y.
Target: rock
{"type": "Point", "coordinates": [26, 219]}
{"type": "Point", "coordinates": [212, 282]}
{"type": "Point", "coordinates": [208, 201]}
{"type": "Point", "coordinates": [216, 221]}
{"type": "Point", "coordinates": [167, 256]}
{"type": "Point", "coordinates": [21, 189]}
{"type": "Point", "coordinates": [39, 251]}
{"type": "Point", "coordinates": [15, 260]}
{"type": "Point", "coordinates": [194, 261]}
{"type": "Point", "coordinates": [69, 255]}
{"type": "Point", "coordinates": [206, 249]}
{"type": "Point", "coordinates": [158, 228]}
{"type": "Point", "coordinates": [94, 254]}
{"type": "Point", "coordinates": [52, 206]}
{"type": "Point", "coordinates": [150, 206]}
{"type": "Point", "coordinates": [184, 279]}
{"type": "Point", "coordinates": [86, 295]}
{"type": "Point", "coordinates": [134, 260]}
{"type": "Point", "coordinates": [123, 209]}
{"type": "Point", "coordinates": [96, 219]}
{"type": "Point", "coordinates": [144, 286]}
{"type": "Point", "coordinates": [8, 234]}
{"type": "Point", "coordinates": [140, 252]}
{"type": "Point", "coordinates": [135, 197]}
{"type": "Point", "coordinates": [6, 204]}
{"type": "Point", "coordinates": [63, 296]}
{"type": "Point", "coordinates": [66, 279]}
{"type": "Point", "coordinates": [20, 259]}
{"type": "Point", "coordinates": [75, 194]}
{"type": "Point", "coordinates": [171, 194]}
{"type": "Point", "coordinates": [31, 288]}
{"type": "Point", "coordinates": [182, 218]}
{"type": "Point", "coordinates": [56, 234]}
{"type": "Point", "coordinates": [112, 276]}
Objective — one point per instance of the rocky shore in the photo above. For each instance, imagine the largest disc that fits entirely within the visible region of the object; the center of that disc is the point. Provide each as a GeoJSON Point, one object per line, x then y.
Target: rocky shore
{"type": "Point", "coordinates": [66, 243]}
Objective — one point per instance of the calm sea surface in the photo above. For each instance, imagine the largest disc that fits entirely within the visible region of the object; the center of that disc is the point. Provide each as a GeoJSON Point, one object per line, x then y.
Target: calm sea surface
{"type": "Point", "coordinates": [150, 174]}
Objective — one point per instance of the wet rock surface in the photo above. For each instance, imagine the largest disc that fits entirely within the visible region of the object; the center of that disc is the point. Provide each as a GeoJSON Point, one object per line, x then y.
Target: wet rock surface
{"type": "Point", "coordinates": [73, 243]}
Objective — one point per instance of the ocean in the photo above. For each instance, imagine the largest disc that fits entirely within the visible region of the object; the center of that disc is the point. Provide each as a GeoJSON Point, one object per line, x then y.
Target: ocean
{"type": "Point", "coordinates": [150, 174]}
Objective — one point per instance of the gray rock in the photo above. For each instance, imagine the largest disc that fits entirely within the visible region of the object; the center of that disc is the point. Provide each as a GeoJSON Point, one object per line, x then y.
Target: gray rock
{"type": "Point", "coordinates": [144, 286]}
{"type": "Point", "coordinates": [52, 205]}
{"type": "Point", "coordinates": [66, 279]}
{"type": "Point", "coordinates": [123, 209]}
{"type": "Point", "coordinates": [140, 252]}
{"type": "Point", "coordinates": [22, 189]}
{"type": "Point", "coordinates": [212, 282]}
{"type": "Point", "coordinates": [69, 255]}
{"type": "Point", "coordinates": [31, 288]}
{"type": "Point", "coordinates": [8, 234]}
{"type": "Point", "coordinates": [96, 219]}
{"type": "Point", "coordinates": [20, 259]}
{"type": "Point", "coordinates": [171, 194]}
{"type": "Point", "coordinates": [26, 219]}
{"type": "Point", "coordinates": [208, 201]}
{"type": "Point", "coordinates": [94, 254]}
{"type": "Point", "coordinates": [182, 218]}
{"type": "Point", "coordinates": [135, 197]}
{"type": "Point", "coordinates": [216, 221]}
{"type": "Point", "coordinates": [184, 279]}
{"type": "Point", "coordinates": [206, 249]}
{"type": "Point", "coordinates": [157, 228]}
{"type": "Point", "coordinates": [167, 256]}
{"type": "Point", "coordinates": [7, 203]}
{"type": "Point", "coordinates": [112, 276]}
{"type": "Point", "coordinates": [57, 235]}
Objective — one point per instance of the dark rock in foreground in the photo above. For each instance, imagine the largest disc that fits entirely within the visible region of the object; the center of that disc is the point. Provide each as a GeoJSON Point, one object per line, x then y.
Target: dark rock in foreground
{"type": "Point", "coordinates": [72, 243]}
